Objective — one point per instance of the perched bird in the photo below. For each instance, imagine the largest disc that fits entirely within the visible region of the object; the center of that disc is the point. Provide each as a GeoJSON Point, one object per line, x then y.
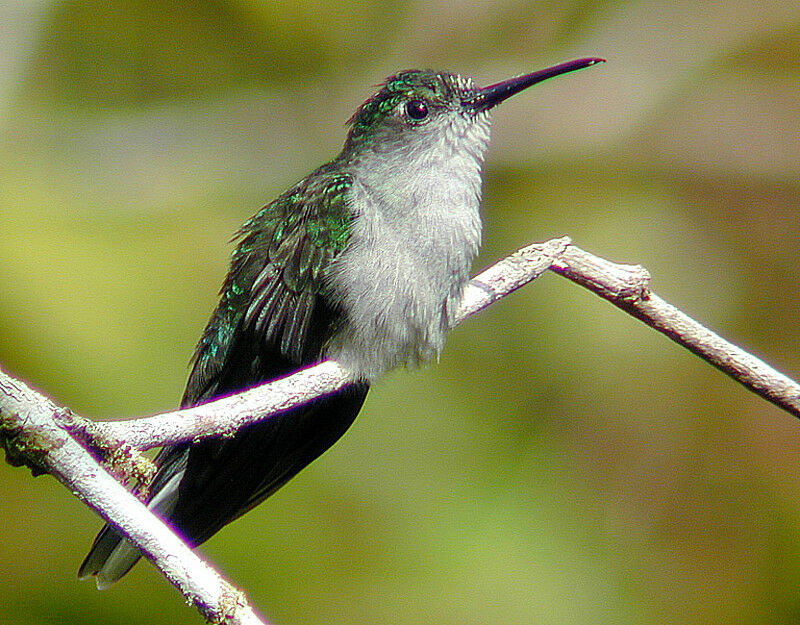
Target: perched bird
{"type": "Point", "coordinates": [363, 261]}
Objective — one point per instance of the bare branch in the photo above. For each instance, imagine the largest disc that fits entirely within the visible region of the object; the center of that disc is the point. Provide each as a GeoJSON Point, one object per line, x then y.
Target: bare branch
{"type": "Point", "coordinates": [626, 287]}
{"type": "Point", "coordinates": [34, 430]}
{"type": "Point", "coordinates": [227, 415]}
{"type": "Point", "coordinates": [31, 432]}
{"type": "Point", "coordinates": [222, 416]}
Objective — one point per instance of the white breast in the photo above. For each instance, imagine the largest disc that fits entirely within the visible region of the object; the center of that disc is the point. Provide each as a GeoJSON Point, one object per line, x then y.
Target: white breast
{"type": "Point", "coordinates": [416, 231]}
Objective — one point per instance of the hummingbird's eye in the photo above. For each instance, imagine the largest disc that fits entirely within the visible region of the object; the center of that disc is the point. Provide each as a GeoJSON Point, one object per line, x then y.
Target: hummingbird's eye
{"type": "Point", "coordinates": [417, 110]}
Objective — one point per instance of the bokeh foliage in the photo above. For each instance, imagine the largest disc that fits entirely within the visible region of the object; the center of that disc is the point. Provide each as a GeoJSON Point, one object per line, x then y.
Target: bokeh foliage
{"type": "Point", "coordinates": [562, 463]}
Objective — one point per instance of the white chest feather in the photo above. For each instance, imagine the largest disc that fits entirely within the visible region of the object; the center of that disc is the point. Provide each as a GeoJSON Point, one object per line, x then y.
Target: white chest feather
{"type": "Point", "coordinates": [416, 232]}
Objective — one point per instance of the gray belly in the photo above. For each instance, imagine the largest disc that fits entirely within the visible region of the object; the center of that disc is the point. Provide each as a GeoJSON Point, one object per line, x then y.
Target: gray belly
{"type": "Point", "coordinates": [414, 236]}
{"type": "Point", "coordinates": [398, 297]}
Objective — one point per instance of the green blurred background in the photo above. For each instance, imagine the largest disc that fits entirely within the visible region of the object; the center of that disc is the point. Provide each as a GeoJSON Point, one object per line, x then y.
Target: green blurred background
{"type": "Point", "coordinates": [562, 463]}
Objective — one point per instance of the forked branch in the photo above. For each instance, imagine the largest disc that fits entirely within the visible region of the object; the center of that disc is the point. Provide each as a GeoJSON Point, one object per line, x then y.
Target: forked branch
{"type": "Point", "coordinates": [50, 439]}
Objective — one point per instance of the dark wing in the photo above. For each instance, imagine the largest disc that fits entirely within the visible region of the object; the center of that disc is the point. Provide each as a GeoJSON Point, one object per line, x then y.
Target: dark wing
{"type": "Point", "coordinates": [273, 317]}
{"type": "Point", "coordinates": [273, 290]}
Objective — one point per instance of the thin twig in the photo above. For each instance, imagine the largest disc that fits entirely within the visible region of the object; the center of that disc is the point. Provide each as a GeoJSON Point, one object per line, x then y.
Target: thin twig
{"type": "Point", "coordinates": [227, 415]}
{"type": "Point", "coordinates": [626, 287]}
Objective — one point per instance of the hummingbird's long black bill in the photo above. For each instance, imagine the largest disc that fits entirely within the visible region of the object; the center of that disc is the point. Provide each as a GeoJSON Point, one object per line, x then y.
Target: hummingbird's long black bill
{"type": "Point", "coordinates": [492, 95]}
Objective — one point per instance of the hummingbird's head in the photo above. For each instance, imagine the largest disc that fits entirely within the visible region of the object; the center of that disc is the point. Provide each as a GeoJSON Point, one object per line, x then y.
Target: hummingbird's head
{"type": "Point", "coordinates": [430, 110]}
{"type": "Point", "coordinates": [409, 106]}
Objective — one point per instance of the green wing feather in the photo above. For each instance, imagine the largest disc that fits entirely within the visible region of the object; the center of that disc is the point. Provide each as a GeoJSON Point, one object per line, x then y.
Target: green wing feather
{"type": "Point", "coordinates": [276, 281]}
{"type": "Point", "coordinates": [273, 317]}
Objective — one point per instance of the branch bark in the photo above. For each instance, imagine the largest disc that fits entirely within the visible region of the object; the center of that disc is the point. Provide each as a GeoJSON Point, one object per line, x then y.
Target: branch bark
{"type": "Point", "coordinates": [38, 433]}
{"type": "Point", "coordinates": [627, 287]}
{"type": "Point", "coordinates": [227, 415]}
{"type": "Point", "coordinates": [31, 431]}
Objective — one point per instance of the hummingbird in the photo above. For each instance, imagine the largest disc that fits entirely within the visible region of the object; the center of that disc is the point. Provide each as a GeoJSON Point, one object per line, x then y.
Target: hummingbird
{"type": "Point", "coordinates": [363, 261]}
